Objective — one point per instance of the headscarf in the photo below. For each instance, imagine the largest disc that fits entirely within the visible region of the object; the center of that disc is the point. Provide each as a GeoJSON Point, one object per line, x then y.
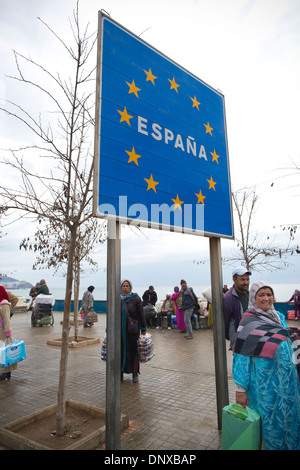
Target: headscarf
{"type": "Point", "coordinates": [3, 294]}
{"type": "Point", "coordinates": [255, 287]}
{"type": "Point", "coordinates": [91, 288]}
{"type": "Point", "coordinates": [259, 333]}
{"type": "Point", "coordinates": [126, 296]}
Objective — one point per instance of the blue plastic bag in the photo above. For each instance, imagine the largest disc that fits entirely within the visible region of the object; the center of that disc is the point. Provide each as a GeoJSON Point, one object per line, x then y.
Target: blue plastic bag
{"type": "Point", "coordinates": [12, 353]}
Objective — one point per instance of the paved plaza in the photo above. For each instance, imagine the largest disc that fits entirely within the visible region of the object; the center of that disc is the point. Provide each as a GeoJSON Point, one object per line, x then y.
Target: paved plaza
{"type": "Point", "coordinates": [173, 407]}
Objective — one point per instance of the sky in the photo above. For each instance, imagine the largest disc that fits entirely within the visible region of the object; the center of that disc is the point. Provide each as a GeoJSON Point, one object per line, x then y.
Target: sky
{"type": "Point", "coordinates": [247, 49]}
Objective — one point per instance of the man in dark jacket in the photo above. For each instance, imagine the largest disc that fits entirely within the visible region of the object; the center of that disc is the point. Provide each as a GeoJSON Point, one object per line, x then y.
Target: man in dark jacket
{"type": "Point", "coordinates": [149, 301]}
{"type": "Point", "coordinates": [235, 302]}
{"type": "Point", "coordinates": [149, 297]}
{"type": "Point", "coordinates": [189, 300]}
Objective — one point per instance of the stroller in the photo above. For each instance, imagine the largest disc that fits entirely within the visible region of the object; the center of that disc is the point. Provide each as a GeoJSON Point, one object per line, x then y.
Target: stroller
{"type": "Point", "coordinates": [42, 315]}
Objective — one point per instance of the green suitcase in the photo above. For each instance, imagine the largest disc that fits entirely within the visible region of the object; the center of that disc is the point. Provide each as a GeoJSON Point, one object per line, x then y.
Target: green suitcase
{"type": "Point", "coordinates": [241, 428]}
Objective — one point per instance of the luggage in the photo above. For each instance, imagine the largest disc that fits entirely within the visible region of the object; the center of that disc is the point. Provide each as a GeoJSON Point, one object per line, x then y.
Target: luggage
{"type": "Point", "coordinates": [145, 348]}
{"type": "Point", "coordinates": [42, 315]}
{"type": "Point", "coordinates": [12, 353]}
{"type": "Point", "coordinates": [241, 428]}
{"type": "Point", "coordinates": [91, 317]}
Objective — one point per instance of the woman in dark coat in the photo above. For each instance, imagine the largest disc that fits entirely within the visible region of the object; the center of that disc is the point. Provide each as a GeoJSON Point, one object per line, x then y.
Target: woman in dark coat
{"type": "Point", "coordinates": [132, 307]}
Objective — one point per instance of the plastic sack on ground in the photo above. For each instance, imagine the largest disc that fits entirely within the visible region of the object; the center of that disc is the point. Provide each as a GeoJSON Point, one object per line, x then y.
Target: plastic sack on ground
{"type": "Point", "coordinates": [241, 428]}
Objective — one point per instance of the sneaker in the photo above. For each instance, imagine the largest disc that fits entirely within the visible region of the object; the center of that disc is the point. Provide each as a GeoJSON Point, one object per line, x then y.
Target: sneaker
{"type": "Point", "coordinates": [169, 327]}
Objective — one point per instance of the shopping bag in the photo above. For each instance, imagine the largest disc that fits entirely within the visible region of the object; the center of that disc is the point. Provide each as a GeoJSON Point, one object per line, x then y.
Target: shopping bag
{"type": "Point", "coordinates": [241, 428]}
{"type": "Point", "coordinates": [103, 349]}
{"type": "Point", "coordinates": [91, 317]}
{"type": "Point", "coordinates": [145, 348]}
{"type": "Point", "coordinates": [12, 353]}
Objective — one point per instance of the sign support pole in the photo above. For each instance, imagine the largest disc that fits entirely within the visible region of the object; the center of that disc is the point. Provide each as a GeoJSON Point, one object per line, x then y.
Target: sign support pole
{"type": "Point", "coordinates": [218, 327]}
{"type": "Point", "coordinates": [113, 325]}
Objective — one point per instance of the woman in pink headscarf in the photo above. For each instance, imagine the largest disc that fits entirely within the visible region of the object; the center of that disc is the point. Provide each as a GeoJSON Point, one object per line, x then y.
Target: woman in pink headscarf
{"type": "Point", "coordinates": [177, 297]}
{"type": "Point", "coordinates": [5, 330]}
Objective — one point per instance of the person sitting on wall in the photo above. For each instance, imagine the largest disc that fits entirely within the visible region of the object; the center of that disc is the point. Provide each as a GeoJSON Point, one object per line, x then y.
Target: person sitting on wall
{"type": "Point", "coordinates": [167, 309]}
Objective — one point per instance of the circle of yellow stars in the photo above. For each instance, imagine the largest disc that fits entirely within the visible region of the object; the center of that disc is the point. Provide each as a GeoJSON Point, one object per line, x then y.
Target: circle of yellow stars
{"type": "Point", "coordinates": [133, 156]}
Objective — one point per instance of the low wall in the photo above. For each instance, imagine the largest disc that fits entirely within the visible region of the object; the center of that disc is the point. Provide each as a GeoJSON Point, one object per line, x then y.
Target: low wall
{"type": "Point", "coordinates": [99, 306]}
{"type": "Point", "coordinates": [284, 307]}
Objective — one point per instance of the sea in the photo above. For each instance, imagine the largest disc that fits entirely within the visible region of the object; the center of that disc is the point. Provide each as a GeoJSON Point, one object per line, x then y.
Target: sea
{"type": "Point", "coordinates": [283, 292]}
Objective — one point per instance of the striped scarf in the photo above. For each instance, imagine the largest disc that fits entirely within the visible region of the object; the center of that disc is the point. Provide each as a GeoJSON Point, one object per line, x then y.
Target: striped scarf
{"type": "Point", "coordinates": [259, 335]}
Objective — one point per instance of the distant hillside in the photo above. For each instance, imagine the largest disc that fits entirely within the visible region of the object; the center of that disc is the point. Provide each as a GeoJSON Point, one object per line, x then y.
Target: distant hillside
{"type": "Point", "coordinates": [10, 283]}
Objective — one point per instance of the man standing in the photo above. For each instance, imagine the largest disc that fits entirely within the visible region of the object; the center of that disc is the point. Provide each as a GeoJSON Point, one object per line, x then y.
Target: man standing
{"type": "Point", "coordinates": [235, 302]}
{"type": "Point", "coordinates": [189, 300]}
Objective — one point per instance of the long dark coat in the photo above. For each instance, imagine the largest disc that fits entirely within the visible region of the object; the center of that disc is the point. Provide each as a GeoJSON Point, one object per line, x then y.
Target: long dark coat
{"type": "Point", "coordinates": [129, 357]}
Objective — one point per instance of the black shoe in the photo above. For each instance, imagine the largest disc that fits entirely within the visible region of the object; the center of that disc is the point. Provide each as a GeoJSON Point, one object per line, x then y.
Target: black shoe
{"type": "Point", "coordinates": [5, 376]}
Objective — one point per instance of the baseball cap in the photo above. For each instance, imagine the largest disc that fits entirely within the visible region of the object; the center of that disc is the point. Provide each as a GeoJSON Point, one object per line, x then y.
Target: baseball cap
{"type": "Point", "coordinates": [240, 271]}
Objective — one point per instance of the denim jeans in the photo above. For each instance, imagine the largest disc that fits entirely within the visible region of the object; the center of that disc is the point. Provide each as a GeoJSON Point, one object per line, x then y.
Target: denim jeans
{"type": "Point", "coordinates": [169, 318]}
{"type": "Point", "coordinates": [187, 318]}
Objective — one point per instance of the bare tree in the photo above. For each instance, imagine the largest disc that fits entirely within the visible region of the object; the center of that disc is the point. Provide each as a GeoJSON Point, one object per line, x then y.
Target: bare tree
{"type": "Point", "coordinates": [51, 242]}
{"type": "Point", "coordinates": [255, 249]}
{"type": "Point", "coordinates": [55, 183]}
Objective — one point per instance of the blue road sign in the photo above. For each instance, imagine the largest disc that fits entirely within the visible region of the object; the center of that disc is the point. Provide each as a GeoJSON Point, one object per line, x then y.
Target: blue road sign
{"type": "Point", "coordinates": [161, 154]}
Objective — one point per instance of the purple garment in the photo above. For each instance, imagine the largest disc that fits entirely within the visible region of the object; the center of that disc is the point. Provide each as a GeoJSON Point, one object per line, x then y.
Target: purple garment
{"type": "Point", "coordinates": [179, 314]}
{"type": "Point", "coordinates": [296, 298]}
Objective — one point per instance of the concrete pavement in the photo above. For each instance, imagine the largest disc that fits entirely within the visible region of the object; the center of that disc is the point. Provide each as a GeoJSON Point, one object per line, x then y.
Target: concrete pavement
{"type": "Point", "coordinates": [173, 407]}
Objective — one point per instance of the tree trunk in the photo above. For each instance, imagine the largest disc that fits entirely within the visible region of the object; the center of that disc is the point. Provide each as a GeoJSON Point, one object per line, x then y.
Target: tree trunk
{"type": "Point", "coordinates": [61, 408]}
{"type": "Point", "coordinates": [76, 298]}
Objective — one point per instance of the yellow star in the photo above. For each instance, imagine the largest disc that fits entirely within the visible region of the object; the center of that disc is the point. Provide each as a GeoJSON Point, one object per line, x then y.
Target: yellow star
{"type": "Point", "coordinates": [125, 116]}
{"type": "Point", "coordinates": [133, 88]}
{"type": "Point", "coordinates": [177, 203]}
{"type": "Point", "coordinates": [200, 197]}
{"type": "Point", "coordinates": [150, 76]}
{"type": "Point", "coordinates": [195, 102]}
{"type": "Point", "coordinates": [133, 157]}
{"type": "Point", "coordinates": [151, 183]}
{"type": "Point", "coordinates": [174, 85]}
{"type": "Point", "coordinates": [215, 156]}
{"type": "Point", "coordinates": [208, 128]}
{"type": "Point", "coordinates": [211, 183]}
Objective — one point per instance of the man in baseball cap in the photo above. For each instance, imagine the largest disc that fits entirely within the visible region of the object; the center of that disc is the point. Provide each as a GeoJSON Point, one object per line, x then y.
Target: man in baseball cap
{"type": "Point", "coordinates": [235, 301]}
{"type": "Point", "coordinates": [240, 271]}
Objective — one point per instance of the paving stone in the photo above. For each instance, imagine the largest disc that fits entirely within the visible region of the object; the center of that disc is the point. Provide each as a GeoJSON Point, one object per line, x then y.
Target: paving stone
{"type": "Point", "coordinates": [173, 405]}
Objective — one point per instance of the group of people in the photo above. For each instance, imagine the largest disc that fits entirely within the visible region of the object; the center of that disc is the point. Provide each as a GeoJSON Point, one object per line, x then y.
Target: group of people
{"type": "Point", "coordinates": [182, 303]}
{"type": "Point", "coordinates": [265, 366]}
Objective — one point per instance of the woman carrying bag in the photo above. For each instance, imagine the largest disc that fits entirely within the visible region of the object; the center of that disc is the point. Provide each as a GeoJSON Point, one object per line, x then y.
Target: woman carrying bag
{"type": "Point", "coordinates": [5, 330]}
{"type": "Point", "coordinates": [133, 322]}
{"type": "Point", "coordinates": [265, 370]}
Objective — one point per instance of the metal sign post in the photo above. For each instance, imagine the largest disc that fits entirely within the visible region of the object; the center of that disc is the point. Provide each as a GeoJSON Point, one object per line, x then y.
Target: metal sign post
{"type": "Point", "coordinates": [218, 327]}
{"type": "Point", "coordinates": [113, 325]}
